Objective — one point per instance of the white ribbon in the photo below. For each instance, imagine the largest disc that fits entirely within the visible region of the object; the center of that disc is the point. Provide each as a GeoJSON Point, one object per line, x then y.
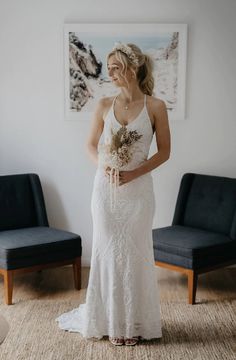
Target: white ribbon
{"type": "Point", "coordinates": [113, 187]}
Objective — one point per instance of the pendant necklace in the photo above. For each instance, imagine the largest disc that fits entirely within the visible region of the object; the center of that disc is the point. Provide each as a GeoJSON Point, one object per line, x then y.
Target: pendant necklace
{"type": "Point", "coordinates": [126, 107]}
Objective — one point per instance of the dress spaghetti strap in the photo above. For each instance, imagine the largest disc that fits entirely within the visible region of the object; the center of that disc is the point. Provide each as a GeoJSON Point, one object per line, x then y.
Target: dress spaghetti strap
{"type": "Point", "coordinates": [113, 102]}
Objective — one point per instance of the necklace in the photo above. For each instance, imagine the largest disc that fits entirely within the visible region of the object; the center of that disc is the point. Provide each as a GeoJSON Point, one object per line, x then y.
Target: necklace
{"type": "Point", "coordinates": [126, 106]}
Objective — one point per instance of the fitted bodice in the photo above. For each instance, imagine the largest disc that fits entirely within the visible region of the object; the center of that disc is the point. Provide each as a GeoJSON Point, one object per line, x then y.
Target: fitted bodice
{"type": "Point", "coordinates": [142, 124]}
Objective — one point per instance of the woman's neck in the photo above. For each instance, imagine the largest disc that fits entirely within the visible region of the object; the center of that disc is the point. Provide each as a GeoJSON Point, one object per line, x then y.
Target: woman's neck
{"type": "Point", "coordinates": [130, 95]}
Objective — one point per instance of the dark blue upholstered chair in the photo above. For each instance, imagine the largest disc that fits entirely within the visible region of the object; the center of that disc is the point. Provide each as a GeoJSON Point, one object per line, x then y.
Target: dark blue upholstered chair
{"type": "Point", "coordinates": [27, 243]}
{"type": "Point", "coordinates": [202, 236]}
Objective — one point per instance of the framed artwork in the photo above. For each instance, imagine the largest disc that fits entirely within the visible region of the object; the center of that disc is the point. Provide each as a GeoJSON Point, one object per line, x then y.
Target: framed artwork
{"type": "Point", "coordinates": [86, 77]}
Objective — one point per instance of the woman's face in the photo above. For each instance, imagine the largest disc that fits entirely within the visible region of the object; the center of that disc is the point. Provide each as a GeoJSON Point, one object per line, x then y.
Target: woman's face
{"type": "Point", "coordinates": [114, 68]}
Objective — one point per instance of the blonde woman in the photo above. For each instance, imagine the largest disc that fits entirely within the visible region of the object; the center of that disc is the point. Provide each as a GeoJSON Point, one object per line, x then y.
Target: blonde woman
{"type": "Point", "coordinates": [122, 299]}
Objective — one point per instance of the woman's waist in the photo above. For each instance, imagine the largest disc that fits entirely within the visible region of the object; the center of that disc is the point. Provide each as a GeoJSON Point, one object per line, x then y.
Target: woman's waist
{"type": "Point", "coordinates": [101, 173]}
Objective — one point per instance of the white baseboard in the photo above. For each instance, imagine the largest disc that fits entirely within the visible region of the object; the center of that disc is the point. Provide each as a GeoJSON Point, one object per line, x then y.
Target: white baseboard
{"type": "Point", "coordinates": [85, 261]}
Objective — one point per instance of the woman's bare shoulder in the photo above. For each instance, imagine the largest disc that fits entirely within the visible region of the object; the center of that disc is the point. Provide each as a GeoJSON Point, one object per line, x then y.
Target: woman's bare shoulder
{"type": "Point", "coordinates": [154, 106]}
{"type": "Point", "coordinates": [106, 101]}
{"type": "Point", "coordinates": [105, 104]}
{"type": "Point", "coordinates": [155, 102]}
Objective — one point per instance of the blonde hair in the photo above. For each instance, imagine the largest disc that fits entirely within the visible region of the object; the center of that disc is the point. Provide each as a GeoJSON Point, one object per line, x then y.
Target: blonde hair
{"type": "Point", "coordinates": [144, 68]}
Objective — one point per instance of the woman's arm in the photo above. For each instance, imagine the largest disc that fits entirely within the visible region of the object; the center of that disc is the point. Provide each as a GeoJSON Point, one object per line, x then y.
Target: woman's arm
{"type": "Point", "coordinates": [96, 131]}
{"type": "Point", "coordinates": [163, 139]}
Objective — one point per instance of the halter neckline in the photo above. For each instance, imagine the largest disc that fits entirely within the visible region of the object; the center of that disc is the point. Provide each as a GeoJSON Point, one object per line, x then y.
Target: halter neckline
{"type": "Point", "coordinates": [131, 122]}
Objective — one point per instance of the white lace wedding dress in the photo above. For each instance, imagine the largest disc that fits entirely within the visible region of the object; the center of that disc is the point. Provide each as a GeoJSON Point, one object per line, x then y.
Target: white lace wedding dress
{"type": "Point", "coordinates": [122, 297]}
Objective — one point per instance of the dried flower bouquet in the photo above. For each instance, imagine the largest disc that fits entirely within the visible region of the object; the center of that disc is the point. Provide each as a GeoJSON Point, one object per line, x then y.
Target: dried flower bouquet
{"type": "Point", "coordinates": [117, 154]}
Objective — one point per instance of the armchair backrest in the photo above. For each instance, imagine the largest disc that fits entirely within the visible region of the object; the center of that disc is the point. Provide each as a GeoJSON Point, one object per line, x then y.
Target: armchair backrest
{"type": "Point", "coordinates": [207, 202]}
{"type": "Point", "coordinates": [21, 202]}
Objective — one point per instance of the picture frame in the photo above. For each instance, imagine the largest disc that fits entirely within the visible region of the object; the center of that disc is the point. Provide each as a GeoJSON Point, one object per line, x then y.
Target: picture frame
{"type": "Point", "coordinates": [85, 68]}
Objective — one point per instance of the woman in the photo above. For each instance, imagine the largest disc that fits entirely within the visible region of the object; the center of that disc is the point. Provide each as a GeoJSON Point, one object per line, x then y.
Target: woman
{"type": "Point", "coordinates": [122, 299]}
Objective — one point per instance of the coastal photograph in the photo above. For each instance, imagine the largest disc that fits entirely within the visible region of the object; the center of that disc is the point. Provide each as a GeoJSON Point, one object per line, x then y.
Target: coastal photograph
{"type": "Point", "coordinates": [86, 76]}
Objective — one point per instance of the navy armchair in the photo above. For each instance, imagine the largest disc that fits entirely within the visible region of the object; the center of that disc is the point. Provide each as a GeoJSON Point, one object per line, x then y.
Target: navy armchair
{"type": "Point", "coordinates": [27, 242]}
{"type": "Point", "coordinates": [202, 236]}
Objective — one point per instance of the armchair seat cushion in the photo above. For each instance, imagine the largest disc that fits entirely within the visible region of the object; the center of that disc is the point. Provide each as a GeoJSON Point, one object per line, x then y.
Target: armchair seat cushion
{"type": "Point", "coordinates": [37, 245]}
{"type": "Point", "coordinates": [191, 247]}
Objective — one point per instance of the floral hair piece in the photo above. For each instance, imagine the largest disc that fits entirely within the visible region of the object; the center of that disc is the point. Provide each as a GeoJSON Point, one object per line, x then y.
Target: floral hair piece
{"type": "Point", "coordinates": [128, 51]}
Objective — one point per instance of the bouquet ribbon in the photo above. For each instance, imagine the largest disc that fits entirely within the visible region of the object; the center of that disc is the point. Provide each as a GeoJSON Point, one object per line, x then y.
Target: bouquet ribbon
{"type": "Point", "coordinates": [113, 186]}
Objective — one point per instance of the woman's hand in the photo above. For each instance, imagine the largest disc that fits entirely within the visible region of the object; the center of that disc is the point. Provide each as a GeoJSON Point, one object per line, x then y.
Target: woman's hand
{"type": "Point", "coordinates": [124, 176]}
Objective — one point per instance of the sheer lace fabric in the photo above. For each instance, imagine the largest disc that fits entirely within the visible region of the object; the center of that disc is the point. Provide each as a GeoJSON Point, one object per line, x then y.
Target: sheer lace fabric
{"type": "Point", "coordinates": [122, 297]}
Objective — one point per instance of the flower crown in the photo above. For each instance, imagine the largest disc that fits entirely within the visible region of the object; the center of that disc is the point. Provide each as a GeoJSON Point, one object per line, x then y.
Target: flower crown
{"type": "Point", "coordinates": [128, 51]}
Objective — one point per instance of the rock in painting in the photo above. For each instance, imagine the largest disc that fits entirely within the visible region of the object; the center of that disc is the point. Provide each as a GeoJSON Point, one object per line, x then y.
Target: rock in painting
{"type": "Point", "coordinates": [83, 66]}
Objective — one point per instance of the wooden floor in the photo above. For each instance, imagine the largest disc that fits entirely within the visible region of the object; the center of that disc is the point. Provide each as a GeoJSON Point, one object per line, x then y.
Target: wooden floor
{"type": "Point", "coordinates": [57, 283]}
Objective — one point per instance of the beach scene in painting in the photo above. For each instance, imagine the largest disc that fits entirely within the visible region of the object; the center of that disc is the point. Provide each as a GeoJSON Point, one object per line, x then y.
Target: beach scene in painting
{"type": "Point", "coordinates": [88, 77]}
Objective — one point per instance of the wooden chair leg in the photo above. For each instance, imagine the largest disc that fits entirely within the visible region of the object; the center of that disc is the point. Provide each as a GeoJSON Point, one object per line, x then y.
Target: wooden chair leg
{"type": "Point", "coordinates": [77, 273]}
{"type": "Point", "coordinates": [8, 286]}
{"type": "Point", "coordinates": [192, 286]}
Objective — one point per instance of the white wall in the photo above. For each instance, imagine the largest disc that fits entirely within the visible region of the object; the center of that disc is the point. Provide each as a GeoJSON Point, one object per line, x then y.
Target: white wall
{"type": "Point", "coordinates": [34, 136]}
